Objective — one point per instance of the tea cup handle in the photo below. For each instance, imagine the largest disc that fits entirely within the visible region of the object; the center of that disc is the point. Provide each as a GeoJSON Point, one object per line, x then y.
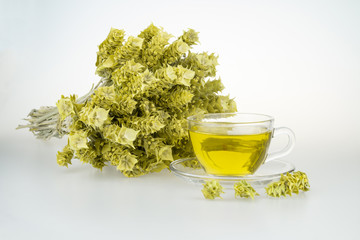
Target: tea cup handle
{"type": "Point", "coordinates": [288, 148]}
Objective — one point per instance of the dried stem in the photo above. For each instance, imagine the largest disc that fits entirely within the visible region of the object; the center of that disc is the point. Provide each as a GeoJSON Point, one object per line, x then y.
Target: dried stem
{"type": "Point", "coordinates": [45, 122]}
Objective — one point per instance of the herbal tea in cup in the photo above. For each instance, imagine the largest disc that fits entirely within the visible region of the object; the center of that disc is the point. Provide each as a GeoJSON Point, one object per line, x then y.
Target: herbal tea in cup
{"type": "Point", "coordinates": [235, 143]}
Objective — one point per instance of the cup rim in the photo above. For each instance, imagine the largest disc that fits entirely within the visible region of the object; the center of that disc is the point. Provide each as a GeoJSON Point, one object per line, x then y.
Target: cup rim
{"type": "Point", "coordinates": [196, 118]}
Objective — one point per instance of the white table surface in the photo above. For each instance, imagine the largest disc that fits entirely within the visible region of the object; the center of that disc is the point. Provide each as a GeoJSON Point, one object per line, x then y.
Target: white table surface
{"type": "Point", "coordinates": [296, 60]}
{"type": "Point", "coordinates": [42, 200]}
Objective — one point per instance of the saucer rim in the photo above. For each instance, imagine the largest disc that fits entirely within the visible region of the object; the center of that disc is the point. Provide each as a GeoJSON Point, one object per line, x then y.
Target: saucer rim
{"type": "Point", "coordinates": [252, 177]}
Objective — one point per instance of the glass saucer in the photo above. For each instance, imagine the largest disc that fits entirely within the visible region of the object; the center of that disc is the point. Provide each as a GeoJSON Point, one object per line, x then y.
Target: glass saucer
{"type": "Point", "coordinates": [268, 172]}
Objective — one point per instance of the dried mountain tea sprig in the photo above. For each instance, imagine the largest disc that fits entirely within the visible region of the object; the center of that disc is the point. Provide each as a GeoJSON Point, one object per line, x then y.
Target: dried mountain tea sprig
{"type": "Point", "coordinates": [212, 189]}
{"type": "Point", "coordinates": [288, 184]}
{"type": "Point", "coordinates": [245, 190]}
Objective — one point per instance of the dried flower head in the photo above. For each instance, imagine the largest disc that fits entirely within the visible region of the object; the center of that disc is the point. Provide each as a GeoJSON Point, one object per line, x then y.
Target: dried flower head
{"type": "Point", "coordinates": [244, 189]}
{"type": "Point", "coordinates": [288, 184]}
{"type": "Point", "coordinates": [212, 189]}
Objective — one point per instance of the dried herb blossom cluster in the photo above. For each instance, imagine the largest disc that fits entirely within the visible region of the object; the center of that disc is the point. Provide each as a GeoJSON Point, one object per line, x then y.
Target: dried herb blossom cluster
{"type": "Point", "coordinates": [288, 184]}
{"type": "Point", "coordinates": [243, 189]}
{"type": "Point", "coordinates": [135, 118]}
{"type": "Point", "coordinates": [212, 189]}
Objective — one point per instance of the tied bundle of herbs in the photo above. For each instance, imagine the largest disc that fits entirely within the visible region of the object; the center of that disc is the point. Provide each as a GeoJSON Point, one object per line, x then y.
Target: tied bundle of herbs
{"type": "Point", "coordinates": [135, 117]}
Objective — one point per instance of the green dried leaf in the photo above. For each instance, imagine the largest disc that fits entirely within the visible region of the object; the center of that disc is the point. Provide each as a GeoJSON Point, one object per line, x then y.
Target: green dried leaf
{"type": "Point", "coordinates": [65, 107]}
{"type": "Point", "coordinates": [78, 140]}
{"type": "Point", "coordinates": [94, 116]}
{"type": "Point", "coordinates": [121, 135]}
{"type": "Point", "coordinates": [127, 163]}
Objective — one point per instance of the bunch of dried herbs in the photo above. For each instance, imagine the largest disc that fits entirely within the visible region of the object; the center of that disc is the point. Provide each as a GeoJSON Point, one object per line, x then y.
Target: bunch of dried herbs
{"type": "Point", "coordinates": [135, 117]}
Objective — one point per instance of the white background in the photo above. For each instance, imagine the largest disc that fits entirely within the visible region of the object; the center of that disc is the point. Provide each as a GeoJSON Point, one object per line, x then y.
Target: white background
{"type": "Point", "coordinates": [298, 61]}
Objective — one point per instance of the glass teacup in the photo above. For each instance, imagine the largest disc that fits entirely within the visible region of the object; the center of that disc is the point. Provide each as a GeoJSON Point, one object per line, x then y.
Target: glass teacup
{"type": "Point", "coordinates": [235, 143]}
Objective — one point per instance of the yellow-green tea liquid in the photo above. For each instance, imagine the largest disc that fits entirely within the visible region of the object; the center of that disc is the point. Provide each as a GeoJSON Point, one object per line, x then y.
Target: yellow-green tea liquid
{"type": "Point", "coordinates": [230, 154]}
